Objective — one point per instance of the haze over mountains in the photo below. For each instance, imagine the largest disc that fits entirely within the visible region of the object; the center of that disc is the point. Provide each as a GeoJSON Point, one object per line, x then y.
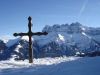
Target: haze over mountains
{"type": "Point", "coordinates": [69, 40]}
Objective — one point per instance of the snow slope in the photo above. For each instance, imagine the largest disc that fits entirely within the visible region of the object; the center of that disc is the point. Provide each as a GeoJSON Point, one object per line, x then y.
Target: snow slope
{"type": "Point", "coordinates": [52, 66]}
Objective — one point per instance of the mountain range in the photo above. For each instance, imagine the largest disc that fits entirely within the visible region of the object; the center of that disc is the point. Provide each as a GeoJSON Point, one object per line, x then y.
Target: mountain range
{"type": "Point", "coordinates": [62, 40]}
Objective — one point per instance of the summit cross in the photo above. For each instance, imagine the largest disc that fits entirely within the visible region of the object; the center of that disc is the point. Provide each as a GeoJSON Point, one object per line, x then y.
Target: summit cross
{"type": "Point", "coordinates": [30, 34]}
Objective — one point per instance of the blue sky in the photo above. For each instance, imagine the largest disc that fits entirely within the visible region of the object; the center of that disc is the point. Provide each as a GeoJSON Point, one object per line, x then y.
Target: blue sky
{"type": "Point", "coordinates": [14, 14]}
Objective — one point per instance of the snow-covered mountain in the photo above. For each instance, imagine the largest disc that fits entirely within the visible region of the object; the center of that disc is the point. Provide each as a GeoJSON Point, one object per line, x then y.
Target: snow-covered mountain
{"type": "Point", "coordinates": [70, 40]}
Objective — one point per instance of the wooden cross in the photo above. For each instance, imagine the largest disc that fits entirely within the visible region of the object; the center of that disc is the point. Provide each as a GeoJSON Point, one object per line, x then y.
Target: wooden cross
{"type": "Point", "coordinates": [30, 34]}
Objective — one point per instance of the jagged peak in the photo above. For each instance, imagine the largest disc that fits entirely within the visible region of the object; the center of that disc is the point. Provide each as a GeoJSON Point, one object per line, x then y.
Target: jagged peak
{"type": "Point", "coordinates": [76, 24]}
{"type": "Point", "coordinates": [73, 27]}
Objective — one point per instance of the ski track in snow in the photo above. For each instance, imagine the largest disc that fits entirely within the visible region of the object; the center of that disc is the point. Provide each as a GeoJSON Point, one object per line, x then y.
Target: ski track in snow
{"type": "Point", "coordinates": [52, 66]}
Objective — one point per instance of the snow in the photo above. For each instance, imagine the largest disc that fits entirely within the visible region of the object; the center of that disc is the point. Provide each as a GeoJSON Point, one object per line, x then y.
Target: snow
{"type": "Point", "coordinates": [17, 48]}
{"type": "Point", "coordinates": [43, 40]}
{"type": "Point", "coordinates": [86, 35]}
{"type": "Point", "coordinates": [5, 38]}
{"type": "Point", "coordinates": [25, 38]}
{"type": "Point", "coordinates": [61, 37]}
{"type": "Point", "coordinates": [43, 61]}
{"type": "Point", "coordinates": [83, 28]}
{"type": "Point", "coordinates": [12, 42]}
{"type": "Point", "coordinates": [52, 66]}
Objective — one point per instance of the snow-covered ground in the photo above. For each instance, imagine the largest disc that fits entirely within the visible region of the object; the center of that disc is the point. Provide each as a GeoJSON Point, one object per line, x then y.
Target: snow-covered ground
{"type": "Point", "coordinates": [52, 66]}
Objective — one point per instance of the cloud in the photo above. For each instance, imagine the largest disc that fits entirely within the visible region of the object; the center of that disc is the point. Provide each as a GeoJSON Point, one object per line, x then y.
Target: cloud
{"type": "Point", "coordinates": [83, 8]}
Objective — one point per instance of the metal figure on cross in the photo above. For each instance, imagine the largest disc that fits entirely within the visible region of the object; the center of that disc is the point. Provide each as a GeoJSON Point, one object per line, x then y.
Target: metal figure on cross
{"type": "Point", "coordinates": [30, 34]}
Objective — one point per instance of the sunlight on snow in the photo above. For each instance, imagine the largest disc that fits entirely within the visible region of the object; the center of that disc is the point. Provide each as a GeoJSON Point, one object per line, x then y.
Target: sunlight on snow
{"type": "Point", "coordinates": [11, 63]}
{"type": "Point", "coordinates": [61, 37]}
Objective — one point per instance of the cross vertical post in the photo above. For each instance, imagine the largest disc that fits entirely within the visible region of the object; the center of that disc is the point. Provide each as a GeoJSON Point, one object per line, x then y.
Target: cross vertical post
{"type": "Point", "coordinates": [30, 41]}
{"type": "Point", "coordinates": [30, 34]}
